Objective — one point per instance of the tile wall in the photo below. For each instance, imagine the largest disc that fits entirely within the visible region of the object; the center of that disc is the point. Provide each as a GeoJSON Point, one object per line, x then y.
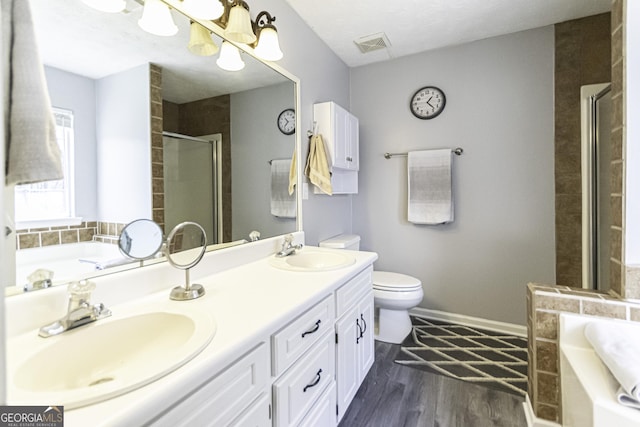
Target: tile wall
{"type": "Point", "coordinates": [544, 305]}
{"type": "Point", "coordinates": [157, 162]}
{"type": "Point", "coordinates": [106, 232]}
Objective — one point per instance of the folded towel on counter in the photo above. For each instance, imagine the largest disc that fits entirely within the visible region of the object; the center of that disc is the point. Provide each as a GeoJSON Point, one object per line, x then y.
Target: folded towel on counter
{"type": "Point", "coordinates": [619, 349]}
{"type": "Point", "coordinates": [317, 168]}
{"type": "Point", "coordinates": [283, 204]}
{"type": "Point", "coordinates": [430, 190]}
{"type": "Point", "coordinates": [32, 152]}
{"type": "Point", "coordinates": [293, 172]}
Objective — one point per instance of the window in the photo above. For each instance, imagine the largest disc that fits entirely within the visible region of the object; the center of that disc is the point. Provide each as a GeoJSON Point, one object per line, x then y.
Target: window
{"type": "Point", "coordinates": [51, 200]}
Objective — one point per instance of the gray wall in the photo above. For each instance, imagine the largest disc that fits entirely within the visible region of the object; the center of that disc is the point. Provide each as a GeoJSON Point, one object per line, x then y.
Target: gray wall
{"type": "Point", "coordinates": [500, 110]}
{"type": "Point", "coordinates": [77, 93]}
{"type": "Point", "coordinates": [256, 140]}
{"type": "Point", "coordinates": [123, 136]}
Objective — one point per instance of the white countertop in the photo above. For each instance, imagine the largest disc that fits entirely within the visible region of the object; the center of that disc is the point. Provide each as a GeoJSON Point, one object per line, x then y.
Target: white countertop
{"type": "Point", "coordinates": [249, 303]}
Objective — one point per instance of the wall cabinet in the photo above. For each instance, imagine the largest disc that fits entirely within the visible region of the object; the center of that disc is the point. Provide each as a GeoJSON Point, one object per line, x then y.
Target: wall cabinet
{"type": "Point", "coordinates": [339, 130]}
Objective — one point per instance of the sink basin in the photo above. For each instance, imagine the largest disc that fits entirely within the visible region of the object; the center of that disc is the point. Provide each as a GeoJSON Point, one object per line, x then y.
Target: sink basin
{"type": "Point", "coordinates": [108, 358]}
{"type": "Point", "coordinates": [312, 260]}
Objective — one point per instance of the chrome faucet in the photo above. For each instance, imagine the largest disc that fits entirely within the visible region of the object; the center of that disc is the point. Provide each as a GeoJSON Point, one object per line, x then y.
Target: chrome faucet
{"type": "Point", "coordinates": [287, 247]}
{"type": "Point", "coordinates": [79, 311]}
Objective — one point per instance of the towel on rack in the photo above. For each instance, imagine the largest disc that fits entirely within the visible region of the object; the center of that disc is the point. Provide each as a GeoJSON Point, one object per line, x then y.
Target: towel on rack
{"type": "Point", "coordinates": [317, 168]}
{"type": "Point", "coordinates": [619, 349]}
{"type": "Point", "coordinates": [293, 172]}
{"type": "Point", "coordinates": [32, 153]}
{"type": "Point", "coordinates": [430, 190]}
{"type": "Point", "coordinates": [283, 204]}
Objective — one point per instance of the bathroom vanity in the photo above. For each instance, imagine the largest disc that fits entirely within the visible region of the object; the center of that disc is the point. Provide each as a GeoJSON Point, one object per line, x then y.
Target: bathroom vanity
{"type": "Point", "coordinates": [281, 346]}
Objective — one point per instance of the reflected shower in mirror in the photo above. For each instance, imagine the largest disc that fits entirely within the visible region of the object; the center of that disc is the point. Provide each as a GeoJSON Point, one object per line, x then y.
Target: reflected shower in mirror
{"type": "Point", "coordinates": [125, 88]}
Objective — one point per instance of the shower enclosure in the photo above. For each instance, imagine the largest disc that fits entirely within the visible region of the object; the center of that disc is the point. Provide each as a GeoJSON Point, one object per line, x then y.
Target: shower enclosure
{"type": "Point", "coordinates": [596, 193]}
{"type": "Point", "coordinates": [192, 182]}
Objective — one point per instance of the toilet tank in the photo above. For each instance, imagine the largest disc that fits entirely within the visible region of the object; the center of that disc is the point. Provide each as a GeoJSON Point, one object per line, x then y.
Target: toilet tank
{"type": "Point", "coordinates": [342, 241]}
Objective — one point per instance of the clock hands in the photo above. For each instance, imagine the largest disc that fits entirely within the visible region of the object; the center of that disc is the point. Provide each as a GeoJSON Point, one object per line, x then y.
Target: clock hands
{"type": "Point", "coordinates": [430, 98]}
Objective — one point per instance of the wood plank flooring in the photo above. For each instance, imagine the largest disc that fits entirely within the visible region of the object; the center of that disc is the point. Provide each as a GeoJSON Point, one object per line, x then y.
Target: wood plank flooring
{"type": "Point", "coordinates": [393, 395]}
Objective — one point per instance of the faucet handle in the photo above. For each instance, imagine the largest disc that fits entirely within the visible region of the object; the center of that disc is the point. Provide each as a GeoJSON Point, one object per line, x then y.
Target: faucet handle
{"type": "Point", "coordinates": [82, 287]}
{"type": "Point", "coordinates": [288, 238]}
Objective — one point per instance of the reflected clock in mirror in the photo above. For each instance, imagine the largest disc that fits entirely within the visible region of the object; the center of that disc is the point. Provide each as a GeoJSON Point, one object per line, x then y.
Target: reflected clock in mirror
{"type": "Point", "coordinates": [140, 239]}
{"type": "Point", "coordinates": [185, 247]}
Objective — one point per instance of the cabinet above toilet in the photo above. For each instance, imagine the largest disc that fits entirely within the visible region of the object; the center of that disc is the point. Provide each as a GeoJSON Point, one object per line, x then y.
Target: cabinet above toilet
{"type": "Point", "coordinates": [339, 130]}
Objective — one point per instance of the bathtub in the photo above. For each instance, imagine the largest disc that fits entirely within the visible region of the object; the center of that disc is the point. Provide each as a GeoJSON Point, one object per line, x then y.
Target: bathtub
{"type": "Point", "coordinates": [73, 261]}
{"type": "Point", "coordinates": [588, 387]}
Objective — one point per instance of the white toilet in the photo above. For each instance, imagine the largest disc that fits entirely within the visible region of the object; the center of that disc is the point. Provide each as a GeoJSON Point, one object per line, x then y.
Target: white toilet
{"type": "Point", "coordinates": [394, 294]}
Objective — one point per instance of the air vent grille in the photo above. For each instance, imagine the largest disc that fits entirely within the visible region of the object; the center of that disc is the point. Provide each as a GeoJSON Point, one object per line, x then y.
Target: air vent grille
{"type": "Point", "coordinates": [372, 43]}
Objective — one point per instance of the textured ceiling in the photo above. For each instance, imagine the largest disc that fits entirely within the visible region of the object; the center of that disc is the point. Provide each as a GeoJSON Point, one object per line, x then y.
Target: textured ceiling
{"type": "Point", "coordinates": [413, 26]}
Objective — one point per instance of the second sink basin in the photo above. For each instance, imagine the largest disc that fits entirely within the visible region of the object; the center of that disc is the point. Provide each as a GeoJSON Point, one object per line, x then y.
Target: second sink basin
{"type": "Point", "coordinates": [109, 357]}
{"type": "Point", "coordinates": [313, 260]}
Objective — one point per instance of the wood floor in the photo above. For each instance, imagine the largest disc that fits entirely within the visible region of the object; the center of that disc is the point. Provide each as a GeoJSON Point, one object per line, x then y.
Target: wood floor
{"type": "Point", "coordinates": [393, 395]}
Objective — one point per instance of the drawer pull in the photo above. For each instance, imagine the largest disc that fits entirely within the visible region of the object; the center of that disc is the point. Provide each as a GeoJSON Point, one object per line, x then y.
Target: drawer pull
{"type": "Point", "coordinates": [314, 383]}
{"type": "Point", "coordinates": [311, 331]}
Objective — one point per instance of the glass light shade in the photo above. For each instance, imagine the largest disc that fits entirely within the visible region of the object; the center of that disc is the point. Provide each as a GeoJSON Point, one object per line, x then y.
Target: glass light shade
{"type": "Point", "coordinates": [109, 6]}
{"type": "Point", "coordinates": [156, 19]}
{"type": "Point", "coordinates": [204, 9]}
{"type": "Point", "coordinates": [229, 58]}
{"type": "Point", "coordinates": [200, 42]}
{"type": "Point", "coordinates": [268, 45]}
{"type": "Point", "coordinates": [239, 27]}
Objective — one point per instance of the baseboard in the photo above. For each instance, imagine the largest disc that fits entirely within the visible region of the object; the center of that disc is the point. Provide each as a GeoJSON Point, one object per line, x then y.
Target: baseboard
{"type": "Point", "coordinates": [476, 322]}
{"type": "Point", "coordinates": [532, 420]}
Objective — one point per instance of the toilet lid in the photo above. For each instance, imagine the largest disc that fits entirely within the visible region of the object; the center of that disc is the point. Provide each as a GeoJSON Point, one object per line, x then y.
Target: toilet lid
{"type": "Point", "coordinates": [388, 281]}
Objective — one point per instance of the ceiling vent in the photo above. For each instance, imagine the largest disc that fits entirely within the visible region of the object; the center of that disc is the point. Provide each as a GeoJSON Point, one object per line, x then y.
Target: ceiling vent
{"type": "Point", "coordinates": [373, 42]}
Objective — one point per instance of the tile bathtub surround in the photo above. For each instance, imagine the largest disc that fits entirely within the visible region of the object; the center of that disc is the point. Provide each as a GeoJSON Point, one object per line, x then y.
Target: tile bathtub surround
{"type": "Point", "coordinates": [544, 305]}
{"type": "Point", "coordinates": [106, 232]}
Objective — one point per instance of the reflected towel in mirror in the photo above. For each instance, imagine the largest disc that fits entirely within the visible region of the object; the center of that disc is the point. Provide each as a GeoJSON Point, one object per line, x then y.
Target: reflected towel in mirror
{"type": "Point", "coordinates": [283, 204]}
{"type": "Point", "coordinates": [430, 191]}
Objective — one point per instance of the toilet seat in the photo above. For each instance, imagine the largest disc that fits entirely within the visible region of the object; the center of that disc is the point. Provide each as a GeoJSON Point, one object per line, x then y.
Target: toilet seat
{"type": "Point", "coordinates": [395, 282]}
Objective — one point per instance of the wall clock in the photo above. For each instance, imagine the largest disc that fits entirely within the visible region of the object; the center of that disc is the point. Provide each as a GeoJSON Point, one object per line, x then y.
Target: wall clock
{"type": "Point", "coordinates": [428, 102]}
{"type": "Point", "coordinates": [287, 121]}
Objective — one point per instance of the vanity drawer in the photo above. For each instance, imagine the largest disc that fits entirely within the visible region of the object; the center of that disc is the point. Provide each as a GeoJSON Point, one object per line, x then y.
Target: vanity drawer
{"type": "Point", "coordinates": [298, 390]}
{"type": "Point", "coordinates": [323, 414]}
{"type": "Point", "coordinates": [220, 400]}
{"type": "Point", "coordinates": [352, 292]}
{"type": "Point", "coordinates": [301, 334]}
{"type": "Point", "coordinates": [257, 415]}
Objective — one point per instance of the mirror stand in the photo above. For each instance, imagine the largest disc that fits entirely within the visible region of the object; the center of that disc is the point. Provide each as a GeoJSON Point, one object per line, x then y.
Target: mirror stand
{"type": "Point", "coordinates": [188, 291]}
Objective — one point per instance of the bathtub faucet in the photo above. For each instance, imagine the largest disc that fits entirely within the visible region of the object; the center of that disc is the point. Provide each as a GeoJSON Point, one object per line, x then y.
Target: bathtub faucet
{"type": "Point", "coordinates": [79, 310]}
{"type": "Point", "coordinates": [287, 247]}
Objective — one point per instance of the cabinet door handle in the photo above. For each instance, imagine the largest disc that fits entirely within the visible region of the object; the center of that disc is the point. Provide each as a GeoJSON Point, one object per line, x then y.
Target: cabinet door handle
{"type": "Point", "coordinates": [364, 324]}
{"type": "Point", "coordinates": [359, 330]}
{"type": "Point", "coordinates": [314, 383]}
{"type": "Point", "coordinates": [314, 329]}
{"type": "Point", "coordinates": [349, 159]}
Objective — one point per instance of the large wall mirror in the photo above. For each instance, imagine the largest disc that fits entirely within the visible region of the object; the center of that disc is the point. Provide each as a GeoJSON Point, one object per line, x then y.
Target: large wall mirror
{"type": "Point", "coordinates": [159, 133]}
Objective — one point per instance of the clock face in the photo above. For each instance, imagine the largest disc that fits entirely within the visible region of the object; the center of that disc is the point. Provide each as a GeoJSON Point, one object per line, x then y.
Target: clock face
{"type": "Point", "coordinates": [287, 121]}
{"type": "Point", "coordinates": [427, 102]}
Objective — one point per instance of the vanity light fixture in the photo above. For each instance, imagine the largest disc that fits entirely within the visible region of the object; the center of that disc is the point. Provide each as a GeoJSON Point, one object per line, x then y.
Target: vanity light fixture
{"type": "Point", "coordinates": [239, 27]}
{"type": "Point", "coordinates": [268, 45]}
{"type": "Point", "coordinates": [156, 19]}
{"type": "Point", "coordinates": [200, 41]}
{"type": "Point", "coordinates": [229, 58]}
{"type": "Point", "coordinates": [203, 9]}
{"type": "Point", "coordinates": [109, 6]}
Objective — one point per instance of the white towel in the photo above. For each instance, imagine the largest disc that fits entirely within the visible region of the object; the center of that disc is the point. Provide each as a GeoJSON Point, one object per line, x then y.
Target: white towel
{"type": "Point", "coordinates": [430, 191]}
{"type": "Point", "coordinates": [619, 349]}
{"type": "Point", "coordinates": [30, 138]}
{"type": "Point", "coordinates": [283, 204]}
{"type": "Point", "coordinates": [102, 264]}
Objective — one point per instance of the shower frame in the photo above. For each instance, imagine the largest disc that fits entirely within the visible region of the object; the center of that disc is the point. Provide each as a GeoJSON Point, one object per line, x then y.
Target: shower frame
{"type": "Point", "coordinates": [216, 177]}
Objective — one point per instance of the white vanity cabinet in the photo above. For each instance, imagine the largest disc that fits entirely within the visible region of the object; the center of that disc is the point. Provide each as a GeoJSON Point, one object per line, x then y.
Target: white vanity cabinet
{"type": "Point", "coordinates": [236, 396]}
{"type": "Point", "coordinates": [354, 337]}
{"type": "Point", "coordinates": [339, 130]}
{"type": "Point", "coordinates": [303, 355]}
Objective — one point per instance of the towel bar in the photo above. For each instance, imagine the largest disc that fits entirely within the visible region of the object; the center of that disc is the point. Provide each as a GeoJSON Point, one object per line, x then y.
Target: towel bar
{"type": "Point", "coordinates": [457, 151]}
